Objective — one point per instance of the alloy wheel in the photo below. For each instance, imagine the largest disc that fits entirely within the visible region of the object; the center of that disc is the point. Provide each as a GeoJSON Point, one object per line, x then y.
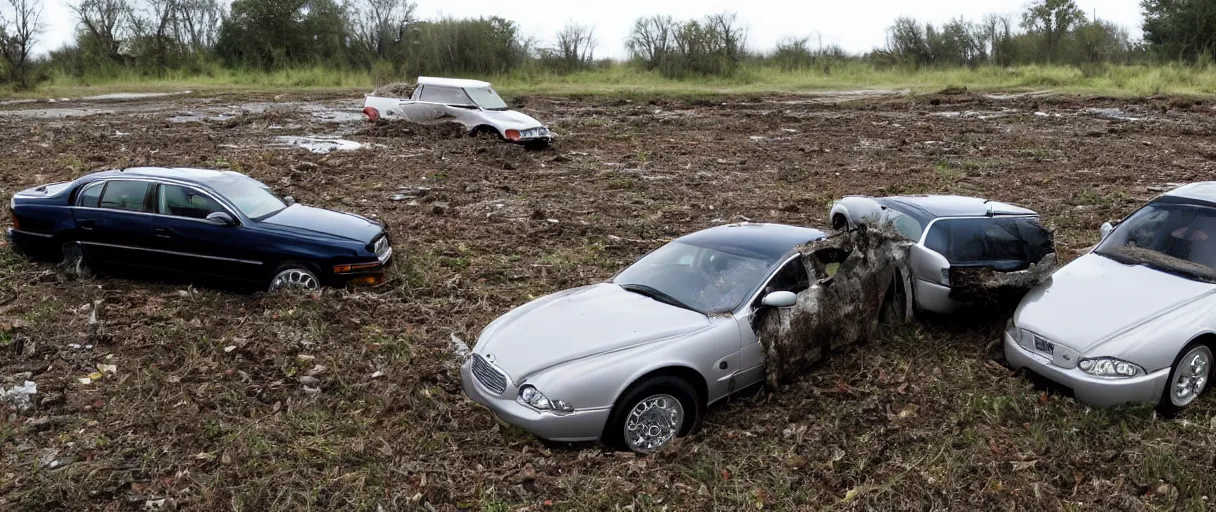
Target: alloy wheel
{"type": "Point", "coordinates": [653, 423]}
{"type": "Point", "coordinates": [1191, 377]}
{"type": "Point", "coordinates": [294, 278]}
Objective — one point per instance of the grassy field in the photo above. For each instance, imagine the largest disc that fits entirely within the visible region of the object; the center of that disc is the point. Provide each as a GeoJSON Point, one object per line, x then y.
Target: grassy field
{"type": "Point", "coordinates": [1122, 81]}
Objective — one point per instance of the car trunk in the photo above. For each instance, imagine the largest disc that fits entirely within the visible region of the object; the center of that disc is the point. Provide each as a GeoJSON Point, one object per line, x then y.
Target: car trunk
{"type": "Point", "coordinates": [993, 260]}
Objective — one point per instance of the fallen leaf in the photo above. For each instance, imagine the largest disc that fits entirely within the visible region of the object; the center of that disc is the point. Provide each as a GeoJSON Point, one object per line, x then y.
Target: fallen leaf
{"type": "Point", "coordinates": [908, 411]}
{"type": "Point", "coordinates": [205, 456]}
{"type": "Point", "coordinates": [107, 368]}
{"type": "Point", "coordinates": [725, 474]}
{"type": "Point", "coordinates": [95, 375]}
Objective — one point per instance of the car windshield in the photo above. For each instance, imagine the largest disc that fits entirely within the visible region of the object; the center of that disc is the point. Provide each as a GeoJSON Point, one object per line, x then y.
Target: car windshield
{"type": "Point", "coordinates": [1177, 238]}
{"type": "Point", "coordinates": [702, 279]}
{"type": "Point", "coordinates": [1004, 243]}
{"type": "Point", "coordinates": [486, 98]}
{"type": "Point", "coordinates": [251, 197]}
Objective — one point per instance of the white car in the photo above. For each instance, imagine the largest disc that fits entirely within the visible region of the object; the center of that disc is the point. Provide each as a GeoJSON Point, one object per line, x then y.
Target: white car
{"type": "Point", "coordinates": [471, 103]}
{"type": "Point", "coordinates": [1133, 320]}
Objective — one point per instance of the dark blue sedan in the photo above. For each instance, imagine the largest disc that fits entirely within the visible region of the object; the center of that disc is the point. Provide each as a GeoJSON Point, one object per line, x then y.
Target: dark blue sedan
{"type": "Point", "coordinates": [204, 222]}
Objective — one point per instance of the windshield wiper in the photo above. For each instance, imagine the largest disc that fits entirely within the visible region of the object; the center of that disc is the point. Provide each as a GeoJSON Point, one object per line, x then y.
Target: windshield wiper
{"type": "Point", "coordinates": [655, 294]}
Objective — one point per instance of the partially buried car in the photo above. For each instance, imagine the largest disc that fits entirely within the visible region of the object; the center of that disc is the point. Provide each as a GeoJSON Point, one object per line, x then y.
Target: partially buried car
{"type": "Point", "coordinates": [1134, 319]}
{"type": "Point", "coordinates": [635, 361]}
{"type": "Point", "coordinates": [197, 221]}
{"type": "Point", "coordinates": [952, 233]}
{"type": "Point", "coordinates": [471, 103]}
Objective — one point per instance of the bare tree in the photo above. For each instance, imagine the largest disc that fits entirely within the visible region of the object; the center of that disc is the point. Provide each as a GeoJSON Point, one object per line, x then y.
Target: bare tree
{"type": "Point", "coordinates": [380, 24]}
{"type": "Point", "coordinates": [104, 21]}
{"type": "Point", "coordinates": [652, 39]}
{"type": "Point", "coordinates": [729, 33]}
{"type": "Point", "coordinates": [576, 45]}
{"type": "Point", "coordinates": [198, 23]}
{"type": "Point", "coordinates": [18, 34]}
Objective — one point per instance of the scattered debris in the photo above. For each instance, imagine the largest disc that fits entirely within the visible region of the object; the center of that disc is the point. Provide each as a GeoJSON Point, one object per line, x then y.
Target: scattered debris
{"type": "Point", "coordinates": [987, 288]}
{"type": "Point", "coordinates": [836, 310]}
{"type": "Point", "coordinates": [320, 145]}
{"type": "Point", "coordinates": [19, 396]}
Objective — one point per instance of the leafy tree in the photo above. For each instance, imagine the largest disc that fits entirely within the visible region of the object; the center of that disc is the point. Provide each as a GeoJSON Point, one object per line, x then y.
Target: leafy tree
{"type": "Point", "coordinates": [1053, 19]}
{"type": "Point", "coordinates": [19, 31]}
{"type": "Point", "coordinates": [1181, 29]}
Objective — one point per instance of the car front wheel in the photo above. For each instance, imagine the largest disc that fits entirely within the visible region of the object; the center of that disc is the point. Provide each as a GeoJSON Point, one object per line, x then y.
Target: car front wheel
{"type": "Point", "coordinates": [294, 276]}
{"type": "Point", "coordinates": [652, 414]}
{"type": "Point", "coordinates": [1189, 377]}
{"type": "Point", "coordinates": [75, 262]}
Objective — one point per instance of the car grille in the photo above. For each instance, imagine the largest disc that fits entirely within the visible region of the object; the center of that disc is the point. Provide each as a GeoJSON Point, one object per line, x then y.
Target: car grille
{"type": "Point", "coordinates": [488, 375]}
{"type": "Point", "coordinates": [382, 245]}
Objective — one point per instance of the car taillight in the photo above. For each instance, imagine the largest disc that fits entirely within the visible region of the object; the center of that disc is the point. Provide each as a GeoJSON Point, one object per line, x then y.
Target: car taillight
{"type": "Point", "coordinates": [16, 223]}
{"type": "Point", "coordinates": [512, 135]}
{"type": "Point", "coordinates": [371, 113]}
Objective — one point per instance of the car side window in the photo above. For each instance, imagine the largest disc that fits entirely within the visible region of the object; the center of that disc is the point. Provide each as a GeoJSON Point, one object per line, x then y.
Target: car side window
{"type": "Point", "coordinates": [907, 226]}
{"type": "Point", "coordinates": [446, 95]}
{"type": "Point", "coordinates": [186, 202]}
{"type": "Point", "coordinates": [125, 195]}
{"type": "Point", "coordinates": [90, 195]}
{"type": "Point", "coordinates": [791, 278]}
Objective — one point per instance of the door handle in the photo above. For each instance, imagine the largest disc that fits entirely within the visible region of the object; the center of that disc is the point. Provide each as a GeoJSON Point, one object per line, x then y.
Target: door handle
{"type": "Point", "coordinates": [162, 233]}
{"type": "Point", "coordinates": [87, 225]}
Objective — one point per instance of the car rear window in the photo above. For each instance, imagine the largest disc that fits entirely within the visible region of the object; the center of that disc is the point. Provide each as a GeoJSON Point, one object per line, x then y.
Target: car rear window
{"type": "Point", "coordinates": [1007, 243]}
{"type": "Point", "coordinates": [125, 195]}
{"type": "Point", "coordinates": [446, 95]}
{"type": "Point", "coordinates": [91, 195]}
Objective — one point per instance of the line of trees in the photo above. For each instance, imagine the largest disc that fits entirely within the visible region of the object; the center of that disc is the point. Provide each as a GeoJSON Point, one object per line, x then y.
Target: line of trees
{"type": "Point", "coordinates": [152, 37]}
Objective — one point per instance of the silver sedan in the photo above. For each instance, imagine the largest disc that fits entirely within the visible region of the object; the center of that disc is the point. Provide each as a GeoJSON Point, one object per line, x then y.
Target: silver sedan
{"type": "Point", "coordinates": [636, 360]}
{"type": "Point", "coordinates": [951, 232]}
{"type": "Point", "coordinates": [1134, 320]}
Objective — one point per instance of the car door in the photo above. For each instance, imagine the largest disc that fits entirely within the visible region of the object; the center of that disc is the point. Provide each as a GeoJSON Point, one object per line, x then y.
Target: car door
{"type": "Point", "coordinates": [791, 277]}
{"type": "Point", "coordinates": [113, 222]}
{"type": "Point", "coordinates": [430, 104]}
{"type": "Point", "coordinates": [192, 244]}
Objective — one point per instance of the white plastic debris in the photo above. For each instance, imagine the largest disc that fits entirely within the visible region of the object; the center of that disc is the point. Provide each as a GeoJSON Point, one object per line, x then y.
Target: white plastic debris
{"type": "Point", "coordinates": [460, 348]}
{"type": "Point", "coordinates": [19, 396]}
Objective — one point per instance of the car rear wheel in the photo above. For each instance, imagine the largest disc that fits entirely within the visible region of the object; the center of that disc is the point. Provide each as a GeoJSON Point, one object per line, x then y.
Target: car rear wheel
{"type": "Point", "coordinates": [75, 262]}
{"type": "Point", "coordinates": [294, 276]}
{"type": "Point", "coordinates": [1189, 377]}
{"type": "Point", "coordinates": [840, 222]}
{"type": "Point", "coordinates": [650, 415]}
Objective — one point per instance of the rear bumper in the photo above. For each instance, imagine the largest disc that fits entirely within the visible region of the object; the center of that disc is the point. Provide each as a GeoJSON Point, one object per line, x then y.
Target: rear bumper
{"type": "Point", "coordinates": [28, 242]}
{"type": "Point", "coordinates": [1086, 388]}
{"type": "Point", "coordinates": [934, 297]}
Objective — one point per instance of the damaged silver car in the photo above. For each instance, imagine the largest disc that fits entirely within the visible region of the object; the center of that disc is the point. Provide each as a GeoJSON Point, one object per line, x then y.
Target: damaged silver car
{"type": "Point", "coordinates": [967, 251]}
{"type": "Point", "coordinates": [635, 361]}
{"type": "Point", "coordinates": [1134, 320]}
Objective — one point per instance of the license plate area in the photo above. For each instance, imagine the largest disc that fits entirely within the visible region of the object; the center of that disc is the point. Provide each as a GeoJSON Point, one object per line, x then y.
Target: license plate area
{"type": "Point", "coordinates": [1044, 346]}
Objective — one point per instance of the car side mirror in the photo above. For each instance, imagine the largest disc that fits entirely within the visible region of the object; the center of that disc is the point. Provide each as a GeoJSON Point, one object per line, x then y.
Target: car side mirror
{"type": "Point", "coordinates": [780, 299]}
{"type": "Point", "coordinates": [221, 219]}
{"type": "Point", "coordinates": [289, 200]}
{"type": "Point", "coordinates": [1106, 229]}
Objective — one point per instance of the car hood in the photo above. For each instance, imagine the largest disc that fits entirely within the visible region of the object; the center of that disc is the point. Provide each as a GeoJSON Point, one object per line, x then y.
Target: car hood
{"type": "Point", "coordinates": [306, 219]}
{"type": "Point", "coordinates": [1095, 299]}
{"type": "Point", "coordinates": [578, 323]}
{"type": "Point", "coordinates": [510, 119]}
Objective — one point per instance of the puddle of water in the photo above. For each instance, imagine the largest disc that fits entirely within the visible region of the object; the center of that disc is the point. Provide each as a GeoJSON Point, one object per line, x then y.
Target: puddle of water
{"type": "Point", "coordinates": [128, 96]}
{"type": "Point", "coordinates": [976, 114]}
{"type": "Point", "coordinates": [54, 113]}
{"type": "Point", "coordinates": [1112, 113]}
{"type": "Point", "coordinates": [325, 114]}
{"type": "Point", "coordinates": [318, 144]}
{"type": "Point", "coordinates": [198, 117]}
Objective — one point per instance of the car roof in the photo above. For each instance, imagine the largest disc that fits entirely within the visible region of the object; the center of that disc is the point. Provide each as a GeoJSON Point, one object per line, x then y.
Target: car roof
{"type": "Point", "coordinates": [928, 207]}
{"type": "Point", "coordinates": [770, 240]}
{"type": "Point", "coordinates": [1202, 191]}
{"type": "Point", "coordinates": [182, 174]}
{"type": "Point", "coordinates": [451, 82]}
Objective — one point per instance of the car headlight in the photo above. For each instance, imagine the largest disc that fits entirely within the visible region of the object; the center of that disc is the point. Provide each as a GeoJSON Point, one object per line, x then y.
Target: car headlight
{"type": "Point", "coordinates": [1110, 367]}
{"type": "Point", "coordinates": [537, 400]}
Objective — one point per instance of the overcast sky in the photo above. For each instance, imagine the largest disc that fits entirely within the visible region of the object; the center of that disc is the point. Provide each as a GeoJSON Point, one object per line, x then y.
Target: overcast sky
{"type": "Point", "coordinates": [858, 26]}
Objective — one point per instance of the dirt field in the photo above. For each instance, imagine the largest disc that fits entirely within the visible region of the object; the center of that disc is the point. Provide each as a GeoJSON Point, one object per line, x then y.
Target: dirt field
{"type": "Point", "coordinates": [202, 408]}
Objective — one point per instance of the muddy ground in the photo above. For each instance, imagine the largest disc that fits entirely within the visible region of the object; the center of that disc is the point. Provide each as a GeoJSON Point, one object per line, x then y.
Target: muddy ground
{"type": "Point", "coordinates": [193, 398]}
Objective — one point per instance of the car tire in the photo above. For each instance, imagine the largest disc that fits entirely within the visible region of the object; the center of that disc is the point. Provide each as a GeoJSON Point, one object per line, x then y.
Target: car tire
{"type": "Point", "coordinates": [895, 309]}
{"type": "Point", "coordinates": [648, 402]}
{"type": "Point", "coordinates": [485, 133]}
{"type": "Point", "coordinates": [294, 275]}
{"type": "Point", "coordinates": [1193, 369]}
{"type": "Point", "coordinates": [75, 262]}
{"type": "Point", "coordinates": [840, 222]}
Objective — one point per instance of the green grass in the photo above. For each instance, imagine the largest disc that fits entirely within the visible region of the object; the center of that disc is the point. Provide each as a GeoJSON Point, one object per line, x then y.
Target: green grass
{"type": "Point", "coordinates": [619, 79]}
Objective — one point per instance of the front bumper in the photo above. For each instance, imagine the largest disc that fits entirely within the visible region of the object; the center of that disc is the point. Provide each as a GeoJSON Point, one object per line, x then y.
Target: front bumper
{"type": "Point", "coordinates": [580, 425]}
{"type": "Point", "coordinates": [367, 277]}
{"type": "Point", "coordinates": [1086, 388]}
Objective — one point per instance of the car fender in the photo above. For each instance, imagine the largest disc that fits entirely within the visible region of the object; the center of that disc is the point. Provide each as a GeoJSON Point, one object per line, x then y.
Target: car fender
{"type": "Point", "coordinates": [1156, 342]}
{"type": "Point", "coordinates": [856, 209]}
{"type": "Point", "coordinates": [598, 381]}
